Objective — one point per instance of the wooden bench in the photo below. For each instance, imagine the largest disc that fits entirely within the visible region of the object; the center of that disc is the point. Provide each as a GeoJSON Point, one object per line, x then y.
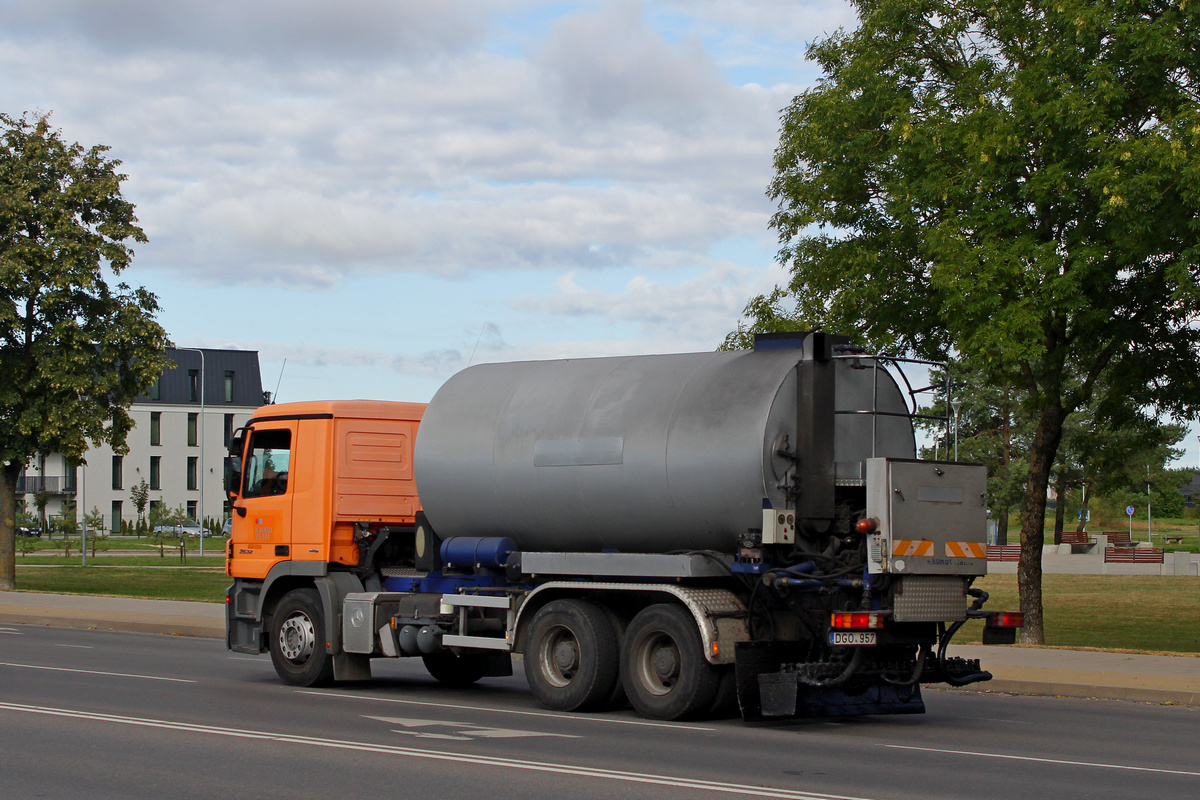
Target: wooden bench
{"type": "Point", "coordinates": [1004, 552]}
{"type": "Point", "coordinates": [1118, 537]}
{"type": "Point", "coordinates": [1076, 537]}
{"type": "Point", "coordinates": [1173, 539]}
{"type": "Point", "coordinates": [1133, 555]}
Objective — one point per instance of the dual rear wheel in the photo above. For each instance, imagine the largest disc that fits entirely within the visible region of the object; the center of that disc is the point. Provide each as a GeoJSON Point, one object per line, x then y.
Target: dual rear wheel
{"type": "Point", "coordinates": [578, 659]}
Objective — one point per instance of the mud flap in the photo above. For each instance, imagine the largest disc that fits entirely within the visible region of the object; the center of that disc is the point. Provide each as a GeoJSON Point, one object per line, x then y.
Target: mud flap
{"type": "Point", "coordinates": [764, 692]}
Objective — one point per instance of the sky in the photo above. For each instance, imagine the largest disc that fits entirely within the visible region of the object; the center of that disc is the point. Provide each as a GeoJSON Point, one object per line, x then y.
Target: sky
{"type": "Point", "coordinates": [383, 192]}
{"type": "Point", "coordinates": [375, 194]}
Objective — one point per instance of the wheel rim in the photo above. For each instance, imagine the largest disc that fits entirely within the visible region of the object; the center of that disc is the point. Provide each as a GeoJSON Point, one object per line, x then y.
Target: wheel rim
{"type": "Point", "coordinates": [558, 656]}
{"type": "Point", "coordinates": [657, 664]}
{"type": "Point", "coordinates": [297, 639]}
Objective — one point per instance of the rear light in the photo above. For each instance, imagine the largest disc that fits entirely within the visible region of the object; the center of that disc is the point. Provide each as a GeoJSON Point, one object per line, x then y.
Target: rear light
{"type": "Point", "coordinates": [866, 526]}
{"type": "Point", "coordinates": [855, 620]}
{"type": "Point", "coordinates": [1005, 619]}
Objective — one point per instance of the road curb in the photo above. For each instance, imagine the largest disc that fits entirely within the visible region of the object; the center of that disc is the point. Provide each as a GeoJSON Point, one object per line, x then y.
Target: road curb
{"type": "Point", "coordinates": [1083, 691]}
{"type": "Point", "coordinates": [167, 626]}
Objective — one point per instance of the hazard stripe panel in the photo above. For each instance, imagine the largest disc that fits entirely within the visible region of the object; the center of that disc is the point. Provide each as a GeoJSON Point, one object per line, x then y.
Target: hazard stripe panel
{"type": "Point", "coordinates": [912, 547]}
{"type": "Point", "coordinates": [966, 549]}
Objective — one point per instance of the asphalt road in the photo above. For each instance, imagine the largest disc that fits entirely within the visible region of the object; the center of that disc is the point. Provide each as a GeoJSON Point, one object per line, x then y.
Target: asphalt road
{"type": "Point", "coordinates": [116, 715]}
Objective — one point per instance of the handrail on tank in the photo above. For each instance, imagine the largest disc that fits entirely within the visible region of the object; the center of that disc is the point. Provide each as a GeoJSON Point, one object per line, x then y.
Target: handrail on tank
{"type": "Point", "coordinates": [851, 352]}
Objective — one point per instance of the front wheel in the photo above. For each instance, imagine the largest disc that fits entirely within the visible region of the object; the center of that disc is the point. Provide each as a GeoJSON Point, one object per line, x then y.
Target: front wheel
{"type": "Point", "coordinates": [297, 640]}
{"type": "Point", "coordinates": [663, 667]}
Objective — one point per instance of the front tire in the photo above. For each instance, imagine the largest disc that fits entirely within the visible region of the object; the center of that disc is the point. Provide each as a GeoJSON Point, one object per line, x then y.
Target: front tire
{"type": "Point", "coordinates": [571, 657]}
{"type": "Point", "coordinates": [663, 667]}
{"type": "Point", "coordinates": [297, 640]}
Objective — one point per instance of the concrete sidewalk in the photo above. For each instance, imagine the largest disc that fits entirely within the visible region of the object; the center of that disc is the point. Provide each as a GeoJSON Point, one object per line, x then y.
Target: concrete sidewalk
{"type": "Point", "coordinates": [1021, 670]}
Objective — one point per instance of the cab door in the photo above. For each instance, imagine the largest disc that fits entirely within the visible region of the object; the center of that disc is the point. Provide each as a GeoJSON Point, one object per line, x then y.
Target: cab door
{"type": "Point", "coordinates": [262, 511]}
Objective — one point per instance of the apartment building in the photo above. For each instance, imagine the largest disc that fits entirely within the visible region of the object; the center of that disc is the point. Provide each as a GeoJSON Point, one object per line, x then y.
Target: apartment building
{"type": "Point", "coordinates": [178, 445]}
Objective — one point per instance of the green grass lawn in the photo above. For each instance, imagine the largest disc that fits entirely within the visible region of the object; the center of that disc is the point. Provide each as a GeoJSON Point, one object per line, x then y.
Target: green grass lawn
{"type": "Point", "coordinates": [1113, 612]}
{"type": "Point", "coordinates": [207, 585]}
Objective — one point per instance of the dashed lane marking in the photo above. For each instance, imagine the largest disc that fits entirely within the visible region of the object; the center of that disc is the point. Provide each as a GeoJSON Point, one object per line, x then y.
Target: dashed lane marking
{"type": "Point", "coordinates": [1097, 764]}
{"type": "Point", "coordinates": [96, 672]}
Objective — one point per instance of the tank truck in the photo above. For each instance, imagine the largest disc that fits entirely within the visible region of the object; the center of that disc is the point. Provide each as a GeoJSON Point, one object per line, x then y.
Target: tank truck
{"type": "Point", "coordinates": [688, 533]}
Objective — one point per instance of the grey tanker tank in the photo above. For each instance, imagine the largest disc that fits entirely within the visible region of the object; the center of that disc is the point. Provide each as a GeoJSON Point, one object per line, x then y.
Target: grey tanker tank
{"type": "Point", "coordinates": [639, 454]}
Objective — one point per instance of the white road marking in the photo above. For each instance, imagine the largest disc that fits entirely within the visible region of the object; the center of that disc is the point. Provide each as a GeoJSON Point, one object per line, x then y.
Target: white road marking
{"type": "Point", "coordinates": [79, 646]}
{"type": "Point", "coordinates": [579, 717]}
{"type": "Point", "coordinates": [96, 672]}
{"type": "Point", "coordinates": [11, 631]}
{"type": "Point", "coordinates": [435, 755]}
{"type": "Point", "coordinates": [464, 730]}
{"type": "Point", "coordinates": [247, 658]}
{"type": "Point", "coordinates": [1065, 762]}
{"type": "Point", "coordinates": [994, 719]}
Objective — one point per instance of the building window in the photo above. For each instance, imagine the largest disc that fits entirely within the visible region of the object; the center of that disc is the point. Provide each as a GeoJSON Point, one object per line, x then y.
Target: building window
{"type": "Point", "coordinates": [193, 423]}
{"type": "Point", "coordinates": [191, 510]}
{"type": "Point", "coordinates": [192, 472]}
{"type": "Point", "coordinates": [156, 505]}
{"type": "Point", "coordinates": [156, 472]}
{"type": "Point", "coordinates": [118, 462]}
{"type": "Point", "coordinates": [228, 386]}
{"type": "Point", "coordinates": [228, 430]}
{"type": "Point", "coordinates": [155, 390]}
{"type": "Point", "coordinates": [116, 516]}
{"type": "Point", "coordinates": [193, 385]}
{"type": "Point", "coordinates": [155, 427]}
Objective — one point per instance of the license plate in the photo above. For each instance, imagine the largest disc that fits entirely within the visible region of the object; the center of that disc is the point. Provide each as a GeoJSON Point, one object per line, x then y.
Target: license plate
{"type": "Point", "coordinates": [853, 638]}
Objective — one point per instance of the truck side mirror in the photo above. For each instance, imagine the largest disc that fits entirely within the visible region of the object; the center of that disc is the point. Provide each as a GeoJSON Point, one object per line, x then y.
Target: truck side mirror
{"type": "Point", "coordinates": [233, 475]}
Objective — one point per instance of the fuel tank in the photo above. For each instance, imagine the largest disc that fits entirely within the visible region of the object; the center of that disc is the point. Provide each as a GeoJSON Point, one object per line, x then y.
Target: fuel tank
{"type": "Point", "coordinates": [643, 454]}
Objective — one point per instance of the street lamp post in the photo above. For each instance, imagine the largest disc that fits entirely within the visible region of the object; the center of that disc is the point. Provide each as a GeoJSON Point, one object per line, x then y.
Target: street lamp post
{"type": "Point", "coordinates": [957, 404]}
{"type": "Point", "coordinates": [200, 439]}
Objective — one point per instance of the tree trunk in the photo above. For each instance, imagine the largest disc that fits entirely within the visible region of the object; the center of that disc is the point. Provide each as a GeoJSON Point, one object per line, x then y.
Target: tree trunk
{"type": "Point", "coordinates": [1002, 526]}
{"type": "Point", "coordinates": [1043, 451]}
{"type": "Point", "coordinates": [1060, 506]}
{"type": "Point", "coordinates": [9, 474]}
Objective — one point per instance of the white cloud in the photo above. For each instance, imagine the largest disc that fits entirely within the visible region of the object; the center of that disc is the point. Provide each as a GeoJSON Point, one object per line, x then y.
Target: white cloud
{"type": "Point", "coordinates": [269, 29]}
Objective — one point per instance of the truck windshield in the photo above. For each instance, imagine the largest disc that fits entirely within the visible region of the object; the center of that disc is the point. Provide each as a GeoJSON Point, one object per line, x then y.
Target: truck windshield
{"type": "Point", "coordinates": [266, 470]}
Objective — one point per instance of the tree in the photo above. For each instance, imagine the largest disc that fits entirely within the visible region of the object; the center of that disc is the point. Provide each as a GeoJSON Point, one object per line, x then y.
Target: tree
{"type": "Point", "coordinates": [1016, 183]}
{"type": "Point", "coordinates": [74, 352]}
{"type": "Point", "coordinates": [140, 495]}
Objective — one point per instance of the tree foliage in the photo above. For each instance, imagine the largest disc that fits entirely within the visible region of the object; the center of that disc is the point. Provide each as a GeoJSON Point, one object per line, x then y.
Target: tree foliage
{"type": "Point", "coordinates": [1014, 182]}
{"type": "Point", "coordinates": [74, 351]}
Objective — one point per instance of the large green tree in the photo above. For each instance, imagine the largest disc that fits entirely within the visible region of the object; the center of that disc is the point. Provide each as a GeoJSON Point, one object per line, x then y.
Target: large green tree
{"type": "Point", "coordinates": [74, 351]}
{"type": "Point", "coordinates": [1014, 182]}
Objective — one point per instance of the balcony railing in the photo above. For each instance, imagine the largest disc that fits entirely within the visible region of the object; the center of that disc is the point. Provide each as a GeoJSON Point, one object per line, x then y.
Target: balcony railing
{"type": "Point", "coordinates": [54, 484]}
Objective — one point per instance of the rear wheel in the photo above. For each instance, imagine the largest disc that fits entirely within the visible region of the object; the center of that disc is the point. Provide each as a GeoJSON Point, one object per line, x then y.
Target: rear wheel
{"type": "Point", "coordinates": [663, 667]}
{"type": "Point", "coordinates": [571, 656]}
{"type": "Point", "coordinates": [297, 640]}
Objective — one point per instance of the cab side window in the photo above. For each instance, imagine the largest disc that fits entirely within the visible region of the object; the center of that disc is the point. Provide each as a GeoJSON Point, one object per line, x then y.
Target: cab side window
{"type": "Point", "coordinates": [266, 471]}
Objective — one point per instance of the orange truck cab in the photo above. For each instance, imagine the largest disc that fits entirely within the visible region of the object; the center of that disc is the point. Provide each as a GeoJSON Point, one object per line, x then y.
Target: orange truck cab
{"type": "Point", "coordinates": [312, 485]}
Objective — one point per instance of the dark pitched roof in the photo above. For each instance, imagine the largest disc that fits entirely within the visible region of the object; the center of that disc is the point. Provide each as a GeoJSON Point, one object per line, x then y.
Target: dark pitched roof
{"type": "Point", "coordinates": [175, 385]}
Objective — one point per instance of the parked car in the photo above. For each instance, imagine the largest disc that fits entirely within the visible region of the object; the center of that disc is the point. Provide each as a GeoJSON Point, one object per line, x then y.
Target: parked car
{"type": "Point", "coordinates": [186, 529]}
{"type": "Point", "coordinates": [227, 528]}
{"type": "Point", "coordinates": [35, 533]}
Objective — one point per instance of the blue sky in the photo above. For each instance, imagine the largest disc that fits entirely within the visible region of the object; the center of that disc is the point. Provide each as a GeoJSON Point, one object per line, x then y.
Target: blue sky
{"type": "Point", "coordinates": [383, 191]}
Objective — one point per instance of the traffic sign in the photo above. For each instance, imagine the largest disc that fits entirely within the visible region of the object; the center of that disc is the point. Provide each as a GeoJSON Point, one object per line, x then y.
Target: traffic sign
{"type": "Point", "coordinates": [1129, 510]}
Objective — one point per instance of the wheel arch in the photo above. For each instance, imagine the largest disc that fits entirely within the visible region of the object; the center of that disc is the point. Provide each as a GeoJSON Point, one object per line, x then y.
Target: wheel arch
{"type": "Point", "coordinates": [719, 614]}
